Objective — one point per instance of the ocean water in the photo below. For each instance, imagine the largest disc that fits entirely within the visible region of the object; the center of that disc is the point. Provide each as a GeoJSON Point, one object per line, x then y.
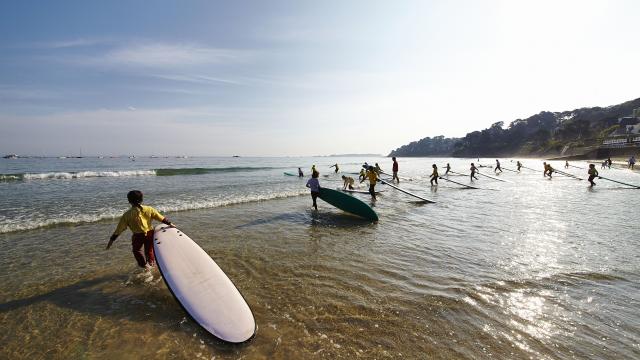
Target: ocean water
{"type": "Point", "coordinates": [526, 268]}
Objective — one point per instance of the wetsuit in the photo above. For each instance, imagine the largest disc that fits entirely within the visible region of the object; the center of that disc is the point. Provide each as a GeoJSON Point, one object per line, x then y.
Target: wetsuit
{"type": "Point", "coordinates": [473, 173]}
{"type": "Point", "coordinates": [434, 176]}
{"type": "Point", "coordinates": [593, 173]}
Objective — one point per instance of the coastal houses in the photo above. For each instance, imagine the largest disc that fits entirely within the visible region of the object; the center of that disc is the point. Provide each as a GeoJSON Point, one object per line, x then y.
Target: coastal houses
{"type": "Point", "coordinates": [627, 135]}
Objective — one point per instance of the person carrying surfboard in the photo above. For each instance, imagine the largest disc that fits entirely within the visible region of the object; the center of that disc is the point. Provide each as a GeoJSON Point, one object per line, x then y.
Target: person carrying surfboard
{"type": "Point", "coordinates": [372, 175]}
{"type": "Point", "coordinates": [335, 166]}
{"type": "Point", "coordinates": [395, 170]}
{"type": "Point", "coordinates": [348, 182]}
{"type": "Point", "coordinates": [593, 173]}
{"type": "Point", "coordinates": [548, 170]}
{"type": "Point", "coordinates": [300, 173]}
{"type": "Point", "coordinates": [314, 185]}
{"type": "Point", "coordinates": [139, 220]}
{"type": "Point", "coordinates": [518, 164]}
{"type": "Point", "coordinates": [434, 174]}
{"type": "Point", "coordinates": [448, 169]}
{"type": "Point", "coordinates": [497, 166]}
{"type": "Point", "coordinates": [473, 171]}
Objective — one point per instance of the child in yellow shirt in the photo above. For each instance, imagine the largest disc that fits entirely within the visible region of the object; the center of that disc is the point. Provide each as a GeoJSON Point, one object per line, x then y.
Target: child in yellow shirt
{"type": "Point", "coordinates": [139, 220]}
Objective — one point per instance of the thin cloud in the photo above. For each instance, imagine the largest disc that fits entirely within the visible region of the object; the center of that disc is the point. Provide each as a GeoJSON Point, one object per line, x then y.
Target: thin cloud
{"type": "Point", "coordinates": [22, 93]}
{"type": "Point", "coordinates": [157, 56]}
{"type": "Point", "coordinates": [172, 55]}
{"type": "Point", "coordinates": [80, 42]}
{"type": "Point", "coordinates": [199, 79]}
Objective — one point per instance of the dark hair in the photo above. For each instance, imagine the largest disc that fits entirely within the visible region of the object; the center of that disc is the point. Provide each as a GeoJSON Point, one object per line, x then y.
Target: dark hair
{"type": "Point", "coordinates": [135, 198]}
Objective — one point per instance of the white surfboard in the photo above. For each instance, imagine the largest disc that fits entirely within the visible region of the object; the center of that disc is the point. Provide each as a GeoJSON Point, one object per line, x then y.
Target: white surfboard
{"type": "Point", "coordinates": [406, 192]}
{"type": "Point", "coordinates": [201, 287]}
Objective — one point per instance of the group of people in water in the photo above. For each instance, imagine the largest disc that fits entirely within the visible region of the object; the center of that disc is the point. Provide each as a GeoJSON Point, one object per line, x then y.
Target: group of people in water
{"type": "Point", "coordinates": [139, 217]}
{"type": "Point", "coordinates": [372, 173]}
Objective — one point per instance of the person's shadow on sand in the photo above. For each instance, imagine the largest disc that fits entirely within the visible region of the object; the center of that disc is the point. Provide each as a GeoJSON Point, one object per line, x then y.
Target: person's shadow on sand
{"type": "Point", "coordinates": [107, 296]}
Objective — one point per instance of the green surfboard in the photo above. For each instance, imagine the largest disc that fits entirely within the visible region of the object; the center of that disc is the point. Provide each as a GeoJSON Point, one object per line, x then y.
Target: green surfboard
{"type": "Point", "coordinates": [348, 203]}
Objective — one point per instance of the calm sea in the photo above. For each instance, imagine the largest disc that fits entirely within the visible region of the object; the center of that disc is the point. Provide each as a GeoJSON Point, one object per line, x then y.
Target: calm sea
{"type": "Point", "coordinates": [528, 268]}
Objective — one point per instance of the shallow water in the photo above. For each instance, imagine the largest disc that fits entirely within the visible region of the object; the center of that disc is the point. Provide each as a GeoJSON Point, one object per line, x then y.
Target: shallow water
{"type": "Point", "coordinates": [532, 268]}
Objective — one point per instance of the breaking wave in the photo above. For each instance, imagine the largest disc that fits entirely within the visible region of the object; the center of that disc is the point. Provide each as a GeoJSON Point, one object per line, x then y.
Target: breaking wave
{"type": "Point", "coordinates": [123, 173]}
{"type": "Point", "coordinates": [171, 206]}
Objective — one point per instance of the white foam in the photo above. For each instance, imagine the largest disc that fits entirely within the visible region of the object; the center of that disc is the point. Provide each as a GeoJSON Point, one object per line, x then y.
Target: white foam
{"type": "Point", "coordinates": [87, 174]}
{"type": "Point", "coordinates": [23, 224]}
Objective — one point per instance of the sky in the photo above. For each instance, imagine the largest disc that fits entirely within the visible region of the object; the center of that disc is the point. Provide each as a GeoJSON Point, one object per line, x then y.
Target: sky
{"type": "Point", "coordinates": [298, 78]}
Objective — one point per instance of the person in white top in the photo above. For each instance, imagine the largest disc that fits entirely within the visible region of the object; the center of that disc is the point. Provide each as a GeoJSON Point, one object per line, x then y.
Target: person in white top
{"type": "Point", "coordinates": [314, 185]}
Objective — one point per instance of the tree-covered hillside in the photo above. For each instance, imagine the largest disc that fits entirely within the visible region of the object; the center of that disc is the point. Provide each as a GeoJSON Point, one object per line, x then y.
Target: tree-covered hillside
{"type": "Point", "coordinates": [545, 133]}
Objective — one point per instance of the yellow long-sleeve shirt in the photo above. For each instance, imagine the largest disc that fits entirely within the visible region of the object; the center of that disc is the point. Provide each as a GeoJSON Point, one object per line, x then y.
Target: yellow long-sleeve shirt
{"type": "Point", "coordinates": [373, 177]}
{"type": "Point", "coordinates": [139, 221]}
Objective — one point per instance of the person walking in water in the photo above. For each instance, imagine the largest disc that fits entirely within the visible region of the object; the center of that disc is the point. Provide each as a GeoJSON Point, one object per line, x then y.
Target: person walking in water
{"type": "Point", "coordinates": [139, 220]}
{"type": "Point", "coordinates": [632, 161]}
{"type": "Point", "coordinates": [394, 168]}
{"type": "Point", "coordinates": [300, 173]}
{"type": "Point", "coordinates": [313, 169]}
{"type": "Point", "coordinates": [593, 173]}
{"type": "Point", "coordinates": [497, 166]}
{"type": "Point", "coordinates": [473, 169]}
{"type": "Point", "coordinates": [434, 175]}
{"type": "Point", "coordinates": [448, 169]}
{"type": "Point", "coordinates": [363, 175]}
{"type": "Point", "coordinates": [335, 166]}
{"type": "Point", "coordinates": [347, 182]}
{"type": "Point", "coordinates": [373, 178]}
{"type": "Point", "coordinates": [566, 164]}
{"type": "Point", "coordinates": [314, 185]}
{"type": "Point", "coordinates": [378, 169]}
{"type": "Point", "coordinates": [518, 164]}
{"type": "Point", "coordinates": [548, 170]}
{"type": "Point", "coordinates": [609, 162]}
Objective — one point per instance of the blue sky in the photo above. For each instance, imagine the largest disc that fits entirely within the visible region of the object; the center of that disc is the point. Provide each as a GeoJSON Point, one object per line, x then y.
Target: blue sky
{"type": "Point", "coordinates": [298, 77]}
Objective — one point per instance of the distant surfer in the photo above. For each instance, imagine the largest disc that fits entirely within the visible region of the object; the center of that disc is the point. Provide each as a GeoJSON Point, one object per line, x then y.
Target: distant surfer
{"type": "Point", "coordinates": [566, 164]}
{"type": "Point", "coordinates": [363, 175]}
{"type": "Point", "coordinates": [548, 170]}
{"type": "Point", "coordinates": [313, 169]}
{"type": "Point", "coordinates": [395, 170]}
{"type": "Point", "coordinates": [609, 162]}
{"type": "Point", "coordinates": [335, 166]}
{"type": "Point", "coordinates": [518, 164]}
{"type": "Point", "coordinates": [632, 161]}
{"type": "Point", "coordinates": [593, 173]}
{"type": "Point", "coordinates": [434, 175]}
{"type": "Point", "coordinates": [300, 173]}
{"type": "Point", "coordinates": [603, 165]}
{"type": "Point", "coordinates": [497, 166]}
{"type": "Point", "coordinates": [372, 175]}
{"type": "Point", "coordinates": [473, 169]}
{"type": "Point", "coordinates": [347, 182]}
{"type": "Point", "coordinates": [448, 169]}
{"type": "Point", "coordinates": [139, 220]}
{"type": "Point", "coordinates": [314, 185]}
{"type": "Point", "coordinates": [378, 169]}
